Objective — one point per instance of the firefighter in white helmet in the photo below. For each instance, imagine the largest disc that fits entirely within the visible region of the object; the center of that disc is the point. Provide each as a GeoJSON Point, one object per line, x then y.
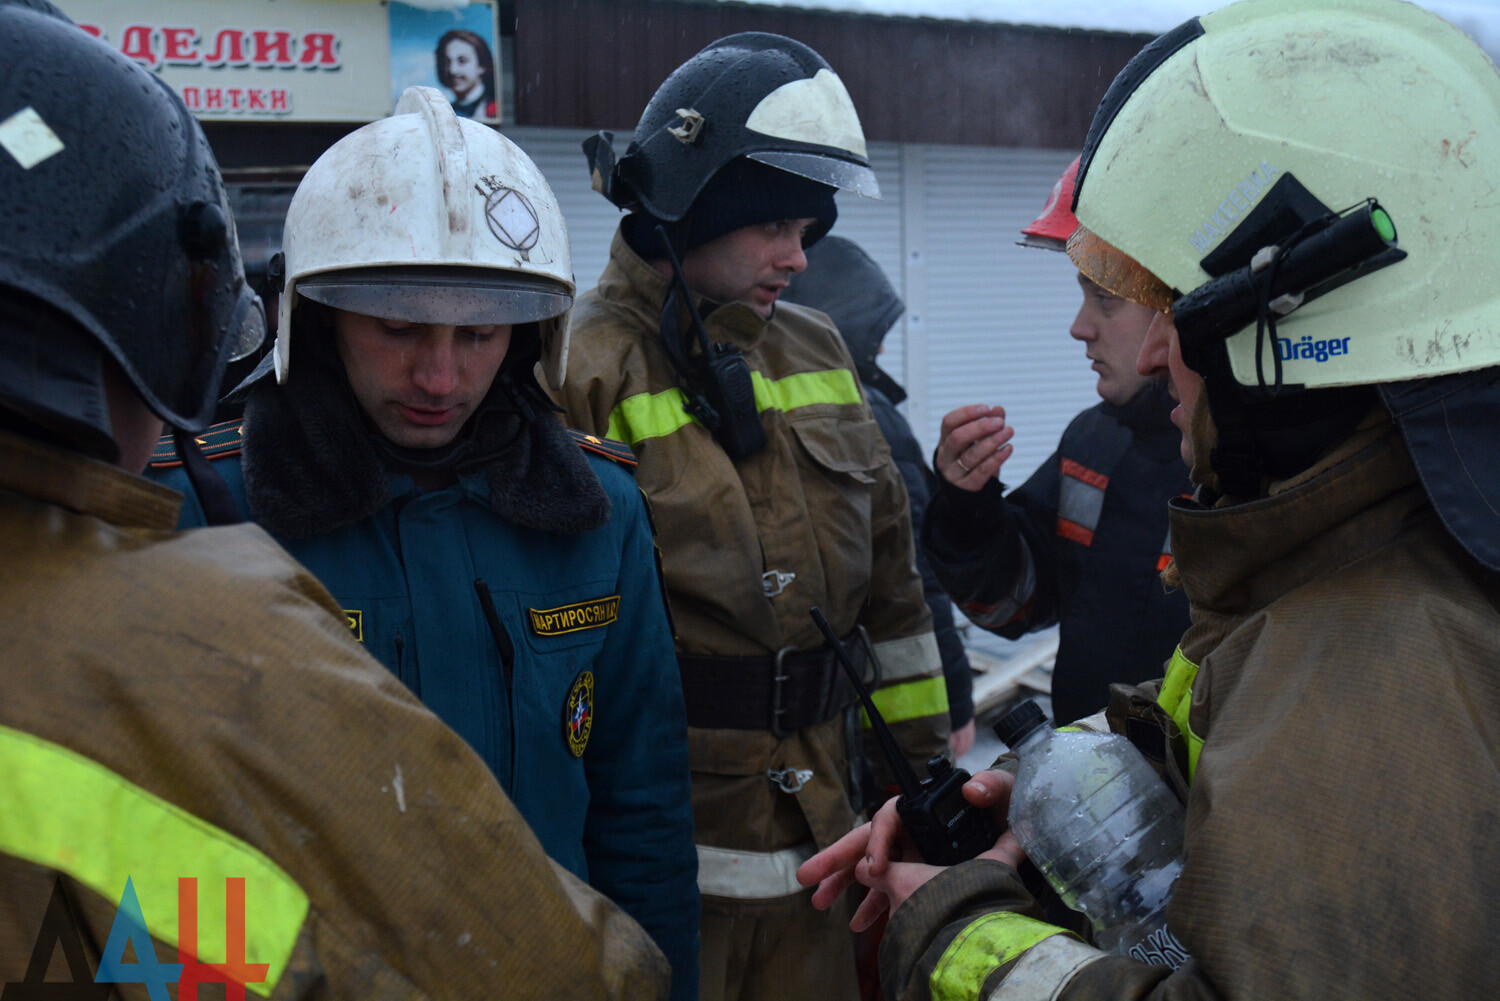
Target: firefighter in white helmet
{"type": "Point", "coordinates": [1306, 189]}
{"type": "Point", "coordinates": [499, 564]}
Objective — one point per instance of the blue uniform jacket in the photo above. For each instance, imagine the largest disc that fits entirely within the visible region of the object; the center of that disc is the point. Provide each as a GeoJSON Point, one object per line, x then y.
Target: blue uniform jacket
{"type": "Point", "coordinates": [573, 609]}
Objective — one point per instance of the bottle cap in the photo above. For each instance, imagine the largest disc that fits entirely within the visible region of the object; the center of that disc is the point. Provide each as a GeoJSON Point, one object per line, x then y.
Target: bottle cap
{"type": "Point", "coordinates": [1020, 721]}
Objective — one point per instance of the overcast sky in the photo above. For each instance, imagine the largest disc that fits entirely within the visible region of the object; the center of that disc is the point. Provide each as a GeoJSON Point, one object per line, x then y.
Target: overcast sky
{"type": "Point", "coordinates": [1480, 18]}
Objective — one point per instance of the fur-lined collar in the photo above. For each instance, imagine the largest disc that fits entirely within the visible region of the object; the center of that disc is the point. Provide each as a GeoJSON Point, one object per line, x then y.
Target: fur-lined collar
{"type": "Point", "coordinates": [313, 464]}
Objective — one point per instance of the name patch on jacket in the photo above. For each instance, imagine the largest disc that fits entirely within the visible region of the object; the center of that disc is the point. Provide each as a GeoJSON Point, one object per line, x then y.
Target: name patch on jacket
{"type": "Point", "coordinates": [589, 614]}
{"type": "Point", "coordinates": [355, 620]}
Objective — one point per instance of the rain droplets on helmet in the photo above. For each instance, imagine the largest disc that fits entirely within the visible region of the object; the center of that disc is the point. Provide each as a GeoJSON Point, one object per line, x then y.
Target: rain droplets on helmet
{"type": "Point", "coordinates": [756, 95]}
{"type": "Point", "coordinates": [112, 214]}
{"type": "Point", "coordinates": [426, 217]}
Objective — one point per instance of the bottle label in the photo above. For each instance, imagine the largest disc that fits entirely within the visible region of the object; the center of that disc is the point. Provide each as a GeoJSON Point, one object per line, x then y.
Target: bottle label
{"type": "Point", "coordinates": [1160, 948]}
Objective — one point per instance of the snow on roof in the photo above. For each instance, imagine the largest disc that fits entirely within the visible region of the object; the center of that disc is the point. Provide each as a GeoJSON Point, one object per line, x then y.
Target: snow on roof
{"type": "Point", "coordinates": [1480, 18]}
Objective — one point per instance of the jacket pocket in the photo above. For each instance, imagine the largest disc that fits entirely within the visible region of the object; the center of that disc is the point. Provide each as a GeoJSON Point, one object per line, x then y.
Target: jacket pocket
{"type": "Point", "coordinates": [838, 460]}
{"type": "Point", "coordinates": [847, 448]}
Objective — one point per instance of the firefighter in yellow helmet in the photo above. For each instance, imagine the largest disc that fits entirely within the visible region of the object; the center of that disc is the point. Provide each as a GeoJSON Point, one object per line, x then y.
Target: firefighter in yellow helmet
{"type": "Point", "coordinates": [1328, 267]}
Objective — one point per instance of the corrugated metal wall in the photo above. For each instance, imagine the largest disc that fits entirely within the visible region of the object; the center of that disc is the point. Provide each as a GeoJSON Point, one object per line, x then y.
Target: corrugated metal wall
{"type": "Point", "coordinates": [986, 321]}
{"type": "Point", "coordinates": [993, 327]}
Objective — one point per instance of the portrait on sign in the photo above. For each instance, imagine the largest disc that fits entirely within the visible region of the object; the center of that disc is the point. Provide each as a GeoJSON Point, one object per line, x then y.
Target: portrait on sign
{"type": "Point", "coordinates": [452, 50]}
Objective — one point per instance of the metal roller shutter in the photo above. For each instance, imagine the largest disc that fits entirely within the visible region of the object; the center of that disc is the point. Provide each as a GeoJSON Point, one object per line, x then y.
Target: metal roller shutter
{"type": "Point", "coordinates": [993, 321]}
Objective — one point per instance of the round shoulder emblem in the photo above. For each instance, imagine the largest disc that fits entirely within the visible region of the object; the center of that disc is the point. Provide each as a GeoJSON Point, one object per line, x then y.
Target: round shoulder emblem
{"type": "Point", "coordinates": [512, 219]}
{"type": "Point", "coordinates": [578, 713]}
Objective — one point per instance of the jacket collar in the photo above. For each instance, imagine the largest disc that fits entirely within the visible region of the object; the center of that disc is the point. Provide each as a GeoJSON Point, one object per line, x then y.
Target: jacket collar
{"type": "Point", "coordinates": [1239, 558]}
{"type": "Point", "coordinates": [1148, 412]}
{"type": "Point", "coordinates": [313, 464]}
{"type": "Point", "coordinates": [85, 486]}
{"type": "Point", "coordinates": [631, 280]}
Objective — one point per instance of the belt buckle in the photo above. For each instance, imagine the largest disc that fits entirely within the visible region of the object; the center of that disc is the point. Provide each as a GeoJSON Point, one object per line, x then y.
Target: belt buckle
{"type": "Point", "coordinates": [779, 677]}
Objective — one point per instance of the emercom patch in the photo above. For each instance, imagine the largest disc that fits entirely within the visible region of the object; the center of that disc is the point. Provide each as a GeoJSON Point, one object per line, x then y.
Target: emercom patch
{"type": "Point", "coordinates": [578, 713]}
{"type": "Point", "coordinates": [571, 618]}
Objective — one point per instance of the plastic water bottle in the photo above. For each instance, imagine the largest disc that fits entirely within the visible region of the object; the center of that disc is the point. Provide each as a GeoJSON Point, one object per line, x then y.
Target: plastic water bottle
{"type": "Point", "coordinates": [1102, 826]}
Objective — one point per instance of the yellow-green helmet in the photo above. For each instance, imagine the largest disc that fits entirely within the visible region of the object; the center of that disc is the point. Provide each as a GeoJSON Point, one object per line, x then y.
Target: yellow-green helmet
{"type": "Point", "coordinates": [1313, 188]}
{"type": "Point", "coordinates": [1354, 99]}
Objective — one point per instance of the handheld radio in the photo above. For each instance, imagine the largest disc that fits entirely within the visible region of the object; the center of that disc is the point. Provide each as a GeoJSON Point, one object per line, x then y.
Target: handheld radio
{"type": "Point", "coordinates": [721, 393]}
{"type": "Point", "coordinates": [945, 827]}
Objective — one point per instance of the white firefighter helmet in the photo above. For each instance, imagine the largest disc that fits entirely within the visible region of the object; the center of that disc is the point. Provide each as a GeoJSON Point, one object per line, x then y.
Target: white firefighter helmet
{"type": "Point", "coordinates": [426, 217]}
{"type": "Point", "coordinates": [1254, 127]}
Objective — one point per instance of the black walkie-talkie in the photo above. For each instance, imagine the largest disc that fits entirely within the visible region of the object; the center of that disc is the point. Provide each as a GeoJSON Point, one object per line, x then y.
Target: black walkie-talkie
{"type": "Point", "coordinates": [720, 388]}
{"type": "Point", "coordinates": [945, 827]}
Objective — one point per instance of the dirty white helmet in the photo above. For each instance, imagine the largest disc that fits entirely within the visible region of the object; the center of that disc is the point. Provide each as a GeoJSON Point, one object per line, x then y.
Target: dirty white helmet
{"type": "Point", "coordinates": [427, 217]}
{"type": "Point", "coordinates": [1263, 124]}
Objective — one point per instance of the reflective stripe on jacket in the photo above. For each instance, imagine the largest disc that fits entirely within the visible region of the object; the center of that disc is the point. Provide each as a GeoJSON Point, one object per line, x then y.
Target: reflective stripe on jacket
{"type": "Point", "coordinates": [1341, 816]}
{"type": "Point", "coordinates": [1081, 547]}
{"type": "Point", "coordinates": [820, 512]}
{"type": "Point", "coordinates": [192, 704]}
{"type": "Point", "coordinates": [581, 620]}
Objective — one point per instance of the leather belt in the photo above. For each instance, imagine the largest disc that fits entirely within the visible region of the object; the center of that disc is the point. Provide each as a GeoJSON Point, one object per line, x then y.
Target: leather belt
{"type": "Point", "coordinates": [791, 691]}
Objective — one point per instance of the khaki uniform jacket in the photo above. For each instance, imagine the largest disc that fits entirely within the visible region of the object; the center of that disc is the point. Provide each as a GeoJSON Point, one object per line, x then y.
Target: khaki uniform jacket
{"type": "Point", "coordinates": [191, 704]}
{"type": "Point", "coordinates": [1341, 739]}
{"type": "Point", "coordinates": [822, 501]}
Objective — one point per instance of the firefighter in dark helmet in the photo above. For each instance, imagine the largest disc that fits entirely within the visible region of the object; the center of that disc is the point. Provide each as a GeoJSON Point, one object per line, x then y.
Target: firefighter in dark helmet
{"type": "Point", "coordinates": [770, 482]}
{"type": "Point", "coordinates": [191, 704]}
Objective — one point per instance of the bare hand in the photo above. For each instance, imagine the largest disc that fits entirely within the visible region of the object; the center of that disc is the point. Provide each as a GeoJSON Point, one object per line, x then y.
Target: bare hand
{"type": "Point", "coordinates": [871, 852]}
{"type": "Point", "coordinates": [961, 740]}
{"type": "Point", "coordinates": [901, 879]}
{"type": "Point", "coordinates": [973, 444]}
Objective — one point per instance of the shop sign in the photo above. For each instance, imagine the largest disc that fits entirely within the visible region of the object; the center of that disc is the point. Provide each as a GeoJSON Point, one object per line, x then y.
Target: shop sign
{"type": "Point", "coordinates": [291, 60]}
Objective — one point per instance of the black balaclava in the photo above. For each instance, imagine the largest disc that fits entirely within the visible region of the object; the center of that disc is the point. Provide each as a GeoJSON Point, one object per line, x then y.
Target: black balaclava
{"type": "Point", "coordinates": [745, 193]}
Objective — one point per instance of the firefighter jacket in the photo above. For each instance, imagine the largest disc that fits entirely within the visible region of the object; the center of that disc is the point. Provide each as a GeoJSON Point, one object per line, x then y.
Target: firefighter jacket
{"type": "Point", "coordinates": [548, 651]}
{"type": "Point", "coordinates": [844, 283]}
{"type": "Point", "coordinates": [191, 705]}
{"type": "Point", "coordinates": [920, 483]}
{"type": "Point", "coordinates": [1331, 711]}
{"type": "Point", "coordinates": [1079, 545]}
{"type": "Point", "coordinates": [817, 517]}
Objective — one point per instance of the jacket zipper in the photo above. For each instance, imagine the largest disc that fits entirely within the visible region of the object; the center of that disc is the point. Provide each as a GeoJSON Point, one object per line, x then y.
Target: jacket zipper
{"type": "Point", "coordinates": [507, 665]}
{"type": "Point", "coordinates": [416, 677]}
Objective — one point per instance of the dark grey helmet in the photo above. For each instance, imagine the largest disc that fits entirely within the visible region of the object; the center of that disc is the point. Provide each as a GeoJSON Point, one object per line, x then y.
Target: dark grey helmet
{"type": "Point", "coordinates": [116, 238]}
{"type": "Point", "coordinates": [756, 95]}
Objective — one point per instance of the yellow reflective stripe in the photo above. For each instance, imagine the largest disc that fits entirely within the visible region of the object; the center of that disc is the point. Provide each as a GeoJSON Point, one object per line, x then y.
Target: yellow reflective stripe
{"type": "Point", "coordinates": [910, 700]}
{"type": "Point", "coordinates": [656, 415]}
{"type": "Point", "coordinates": [648, 415]}
{"type": "Point", "coordinates": [70, 813]}
{"type": "Point", "coordinates": [982, 948]}
{"type": "Point", "coordinates": [834, 385]}
{"type": "Point", "coordinates": [1177, 699]}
